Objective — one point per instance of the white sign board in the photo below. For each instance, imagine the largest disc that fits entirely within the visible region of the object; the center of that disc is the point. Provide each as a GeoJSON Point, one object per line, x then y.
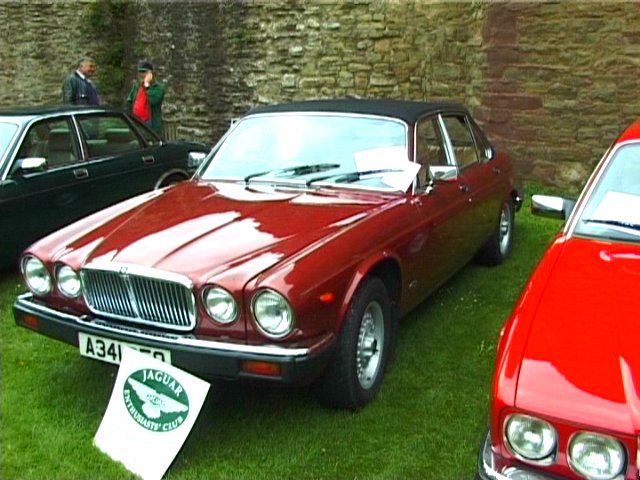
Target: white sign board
{"type": "Point", "coordinates": [152, 409]}
{"type": "Point", "coordinates": [619, 206]}
{"type": "Point", "coordinates": [388, 158]}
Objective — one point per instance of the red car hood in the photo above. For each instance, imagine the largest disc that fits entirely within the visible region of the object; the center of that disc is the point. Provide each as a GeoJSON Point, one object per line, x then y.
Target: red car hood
{"type": "Point", "coordinates": [200, 229]}
{"type": "Point", "coordinates": [582, 357]}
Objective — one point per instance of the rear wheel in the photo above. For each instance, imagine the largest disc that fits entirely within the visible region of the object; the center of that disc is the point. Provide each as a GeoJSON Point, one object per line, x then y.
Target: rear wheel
{"type": "Point", "coordinates": [355, 375]}
{"type": "Point", "coordinates": [499, 246]}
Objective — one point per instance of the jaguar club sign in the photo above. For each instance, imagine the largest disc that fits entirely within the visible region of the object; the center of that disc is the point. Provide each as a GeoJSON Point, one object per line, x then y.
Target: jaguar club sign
{"type": "Point", "coordinates": [152, 409]}
{"type": "Point", "coordinates": [155, 400]}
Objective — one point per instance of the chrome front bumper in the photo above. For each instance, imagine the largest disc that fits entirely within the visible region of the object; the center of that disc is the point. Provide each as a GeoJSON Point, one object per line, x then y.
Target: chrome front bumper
{"type": "Point", "coordinates": [208, 357]}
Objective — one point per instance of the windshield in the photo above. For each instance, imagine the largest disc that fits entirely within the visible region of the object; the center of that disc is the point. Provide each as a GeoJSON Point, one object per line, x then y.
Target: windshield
{"type": "Point", "coordinates": [7, 131]}
{"type": "Point", "coordinates": [313, 149]}
{"type": "Point", "coordinates": [613, 208]}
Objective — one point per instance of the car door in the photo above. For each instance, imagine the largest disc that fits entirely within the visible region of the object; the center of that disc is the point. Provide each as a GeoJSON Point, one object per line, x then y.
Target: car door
{"type": "Point", "coordinates": [119, 162]}
{"type": "Point", "coordinates": [439, 247]}
{"type": "Point", "coordinates": [36, 201]}
{"type": "Point", "coordinates": [476, 178]}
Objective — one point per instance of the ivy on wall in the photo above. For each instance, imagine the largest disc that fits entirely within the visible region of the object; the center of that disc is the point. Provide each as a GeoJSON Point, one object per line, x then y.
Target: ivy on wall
{"type": "Point", "coordinates": [113, 27]}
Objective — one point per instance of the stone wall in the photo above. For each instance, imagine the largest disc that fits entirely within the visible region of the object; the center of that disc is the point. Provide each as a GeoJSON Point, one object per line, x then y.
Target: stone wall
{"type": "Point", "coordinates": [561, 82]}
{"type": "Point", "coordinates": [552, 82]}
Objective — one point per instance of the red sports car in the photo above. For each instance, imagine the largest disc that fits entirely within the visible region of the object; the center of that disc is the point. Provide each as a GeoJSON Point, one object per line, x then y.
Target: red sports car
{"type": "Point", "coordinates": [566, 392]}
{"type": "Point", "coordinates": [304, 236]}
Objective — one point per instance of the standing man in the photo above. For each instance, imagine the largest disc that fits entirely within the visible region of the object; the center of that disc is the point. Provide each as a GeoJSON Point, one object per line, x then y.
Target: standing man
{"type": "Point", "coordinates": [145, 98]}
{"type": "Point", "coordinates": [78, 89]}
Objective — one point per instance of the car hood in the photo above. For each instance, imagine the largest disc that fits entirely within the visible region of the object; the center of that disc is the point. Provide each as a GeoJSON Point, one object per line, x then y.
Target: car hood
{"type": "Point", "coordinates": [204, 229]}
{"type": "Point", "coordinates": [581, 361]}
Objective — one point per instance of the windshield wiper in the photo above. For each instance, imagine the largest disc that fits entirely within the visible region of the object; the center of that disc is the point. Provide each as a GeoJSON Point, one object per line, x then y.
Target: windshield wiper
{"type": "Point", "coordinates": [351, 177]}
{"type": "Point", "coordinates": [299, 170]}
{"type": "Point", "coordinates": [614, 223]}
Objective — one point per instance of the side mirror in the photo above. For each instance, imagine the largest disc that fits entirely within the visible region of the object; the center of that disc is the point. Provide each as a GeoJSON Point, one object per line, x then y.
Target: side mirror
{"type": "Point", "coordinates": [488, 154]}
{"type": "Point", "coordinates": [31, 164]}
{"type": "Point", "coordinates": [443, 174]}
{"type": "Point", "coordinates": [552, 207]}
{"type": "Point", "coordinates": [195, 159]}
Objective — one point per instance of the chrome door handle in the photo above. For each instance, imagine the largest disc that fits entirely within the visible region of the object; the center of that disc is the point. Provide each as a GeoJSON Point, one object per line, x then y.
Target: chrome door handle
{"type": "Point", "coordinates": [80, 173]}
{"type": "Point", "coordinates": [497, 170]}
{"type": "Point", "coordinates": [464, 188]}
{"type": "Point", "coordinates": [148, 159]}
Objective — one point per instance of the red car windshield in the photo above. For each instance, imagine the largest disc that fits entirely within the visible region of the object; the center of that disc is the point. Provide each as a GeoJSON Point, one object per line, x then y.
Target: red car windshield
{"type": "Point", "coordinates": [612, 210]}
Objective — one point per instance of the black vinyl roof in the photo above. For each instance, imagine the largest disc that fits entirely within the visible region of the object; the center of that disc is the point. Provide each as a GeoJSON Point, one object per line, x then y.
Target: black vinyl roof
{"type": "Point", "coordinates": [408, 110]}
{"type": "Point", "coordinates": [34, 111]}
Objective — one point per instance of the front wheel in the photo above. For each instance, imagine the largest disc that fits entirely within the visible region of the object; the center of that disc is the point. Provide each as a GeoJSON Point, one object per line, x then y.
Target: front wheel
{"type": "Point", "coordinates": [355, 375]}
{"type": "Point", "coordinates": [499, 246]}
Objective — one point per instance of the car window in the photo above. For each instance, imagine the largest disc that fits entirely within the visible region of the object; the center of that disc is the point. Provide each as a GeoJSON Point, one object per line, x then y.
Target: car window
{"type": "Point", "coordinates": [150, 137]}
{"type": "Point", "coordinates": [51, 139]}
{"type": "Point", "coordinates": [7, 131]}
{"type": "Point", "coordinates": [482, 144]}
{"type": "Point", "coordinates": [612, 210]}
{"type": "Point", "coordinates": [464, 148]}
{"type": "Point", "coordinates": [108, 135]}
{"type": "Point", "coordinates": [337, 149]}
{"type": "Point", "coordinates": [429, 148]}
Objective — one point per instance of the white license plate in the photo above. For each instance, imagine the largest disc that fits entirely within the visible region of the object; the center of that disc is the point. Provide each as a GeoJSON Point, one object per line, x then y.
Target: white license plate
{"type": "Point", "coordinates": [110, 351]}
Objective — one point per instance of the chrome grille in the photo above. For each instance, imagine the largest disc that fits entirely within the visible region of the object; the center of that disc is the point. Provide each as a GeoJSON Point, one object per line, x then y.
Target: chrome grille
{"type": "Point", "coordinates": [139, 294]}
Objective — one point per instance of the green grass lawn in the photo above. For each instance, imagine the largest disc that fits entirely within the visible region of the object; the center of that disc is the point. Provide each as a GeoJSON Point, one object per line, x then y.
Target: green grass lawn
{"type": "Point", "coordinates": [427, 422]}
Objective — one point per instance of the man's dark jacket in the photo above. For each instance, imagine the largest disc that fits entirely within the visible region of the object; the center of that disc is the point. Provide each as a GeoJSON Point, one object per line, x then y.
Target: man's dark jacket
{"type": "Point", "coordinates": [78, 91]}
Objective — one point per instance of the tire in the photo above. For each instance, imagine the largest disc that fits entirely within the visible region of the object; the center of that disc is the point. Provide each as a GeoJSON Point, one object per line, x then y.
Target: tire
{"type": "Point", "coordinates": [172, 179]}
{"type": "Point", "coordinates": [498, 247]}
{"type": "Point", "coordinates": [354, 376]}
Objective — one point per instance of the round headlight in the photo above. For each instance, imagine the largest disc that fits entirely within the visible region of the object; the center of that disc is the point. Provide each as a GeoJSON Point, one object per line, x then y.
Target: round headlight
{"type": "Point", "coordinates": [531, 438]}
{"type": "Point", "coordinates": [36, 275]}
{"type": "Point", "coordinates": [596, 457]}
{"type": "Point", "coordinates": [68, 282]}
{"type": "Point", "coordinates": [273, 314]}
{"type": "Point", "coordinates": [220, 305]}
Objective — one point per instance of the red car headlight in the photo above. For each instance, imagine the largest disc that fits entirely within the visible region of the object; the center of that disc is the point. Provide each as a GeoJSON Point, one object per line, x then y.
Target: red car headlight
{"type": "Point", "coordinates": [596, 456]}
{"type": "Point", "coordinates": [531, 438]}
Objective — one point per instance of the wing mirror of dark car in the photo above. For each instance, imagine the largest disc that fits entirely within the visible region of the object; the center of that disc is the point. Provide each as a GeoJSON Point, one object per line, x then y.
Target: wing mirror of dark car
{"type": "Point", "coordinates": [31, 164]}
{"type": "Point", "coordinates": [195, 159]}
{"type": "Point", "coordinates": [553, 207]}
{"type": "Point", "coordinates": [447, 173]}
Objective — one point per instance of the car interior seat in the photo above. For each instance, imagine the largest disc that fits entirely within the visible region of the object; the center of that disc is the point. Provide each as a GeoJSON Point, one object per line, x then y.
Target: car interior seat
{"type": "Point", "coordinates": [120, 140]}
{"type": "Point", "coordinates": [60, 149]}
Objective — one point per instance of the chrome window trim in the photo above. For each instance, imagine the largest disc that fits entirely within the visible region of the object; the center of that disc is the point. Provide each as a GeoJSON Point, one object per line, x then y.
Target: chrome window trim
{"type": "Point", "coordinates": [448, 146]}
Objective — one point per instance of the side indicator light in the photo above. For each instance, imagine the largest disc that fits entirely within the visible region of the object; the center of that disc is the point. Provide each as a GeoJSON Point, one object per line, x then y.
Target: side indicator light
{"type": "Point", "coordinates": [327, 297]}
{"type": "Point", "coordinates": [262, 368]}
{"type": "Point", "coordinates": [31, 322]}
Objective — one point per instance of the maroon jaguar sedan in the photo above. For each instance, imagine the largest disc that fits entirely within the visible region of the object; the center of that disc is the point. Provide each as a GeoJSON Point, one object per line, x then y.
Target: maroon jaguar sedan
{"type": "Point", "coordinates": [306, 234]}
